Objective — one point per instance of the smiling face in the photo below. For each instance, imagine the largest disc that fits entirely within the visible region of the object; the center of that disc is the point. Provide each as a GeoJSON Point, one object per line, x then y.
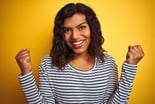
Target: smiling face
{"type": "Point", "coordinates": [77, 33]}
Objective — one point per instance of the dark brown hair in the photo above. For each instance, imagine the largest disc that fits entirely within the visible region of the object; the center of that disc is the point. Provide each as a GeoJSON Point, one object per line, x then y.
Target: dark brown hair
{"type": "Point", "coordinates": [61, 54]}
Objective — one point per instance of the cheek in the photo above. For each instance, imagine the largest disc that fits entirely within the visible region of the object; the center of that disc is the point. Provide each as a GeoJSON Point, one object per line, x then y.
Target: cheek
{"type": "Point", "coordinates": [88, 34]}
{"type": "Point", "coordinates": [66, 39]}
{"type": "Point", "coordinates": [89, 37]}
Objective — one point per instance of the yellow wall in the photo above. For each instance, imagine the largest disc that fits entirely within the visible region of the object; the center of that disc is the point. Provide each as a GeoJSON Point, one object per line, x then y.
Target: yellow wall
{"type": "Point", "coordinates": [29, 23]}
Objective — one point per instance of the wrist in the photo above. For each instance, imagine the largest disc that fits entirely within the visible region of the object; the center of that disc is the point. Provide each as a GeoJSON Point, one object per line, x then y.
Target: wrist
{"type": "Point", "coordinates": [131, 62]}
{"type": "Point", "coordinates": [25, 72]}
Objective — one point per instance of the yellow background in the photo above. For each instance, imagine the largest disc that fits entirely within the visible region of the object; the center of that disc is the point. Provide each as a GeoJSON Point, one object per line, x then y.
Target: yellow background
{"type": "Point", "coordinates": [29, 23]}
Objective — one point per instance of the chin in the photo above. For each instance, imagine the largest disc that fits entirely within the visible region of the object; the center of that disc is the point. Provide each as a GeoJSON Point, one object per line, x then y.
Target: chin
{"type": "Point", "coordinates": [79, 51]}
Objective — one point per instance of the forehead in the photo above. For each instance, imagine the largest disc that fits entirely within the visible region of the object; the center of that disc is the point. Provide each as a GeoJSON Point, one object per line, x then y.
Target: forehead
{"type": "Point", "coordinates": [75, 20]}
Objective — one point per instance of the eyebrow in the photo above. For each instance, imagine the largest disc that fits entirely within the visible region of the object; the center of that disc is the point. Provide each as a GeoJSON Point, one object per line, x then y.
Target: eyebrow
{"type": "Point", "coordinates": [79, 24]}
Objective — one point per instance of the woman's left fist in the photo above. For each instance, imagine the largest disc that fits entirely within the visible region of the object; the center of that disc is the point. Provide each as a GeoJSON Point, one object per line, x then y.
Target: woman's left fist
{"type": "Point", "coordinates": [134, 54]}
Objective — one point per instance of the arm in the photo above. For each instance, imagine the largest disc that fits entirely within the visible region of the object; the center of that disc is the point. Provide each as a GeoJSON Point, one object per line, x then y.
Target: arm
{"type": "Point", "coordinates": [30, 89]}
{"type": "Point", "coordinates": [28, 84]}
{"type": "Point", "coordinates": [124, 87]}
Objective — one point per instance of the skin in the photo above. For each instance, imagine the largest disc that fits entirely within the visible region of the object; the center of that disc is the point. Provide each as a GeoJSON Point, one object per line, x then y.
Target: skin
{"type": "Point", "coordinates": [24, 61]}
{"type": "Point", "coordinates": [77, 33]}
{"type": "Point", "coordinates": [77, 37]}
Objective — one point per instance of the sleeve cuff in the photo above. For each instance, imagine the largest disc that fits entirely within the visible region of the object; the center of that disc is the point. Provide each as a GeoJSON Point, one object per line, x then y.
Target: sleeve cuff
{"type": "Point", "coordinates": [20, 76]}
{"type": "Point", "coordinates": [129, 72]}
{"type": "Point", "coordinates": [134, 65]}
{"type": "Point", "coordinates": [26, 79]}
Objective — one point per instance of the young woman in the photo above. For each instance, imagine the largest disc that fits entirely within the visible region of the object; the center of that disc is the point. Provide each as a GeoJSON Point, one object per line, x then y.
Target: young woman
{"type": "Point", "coordinates": [78, 70]}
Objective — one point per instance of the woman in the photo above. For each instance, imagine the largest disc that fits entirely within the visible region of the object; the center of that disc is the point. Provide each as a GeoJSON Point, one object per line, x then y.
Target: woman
{"type": "Point", "coordinates": [78, 70]}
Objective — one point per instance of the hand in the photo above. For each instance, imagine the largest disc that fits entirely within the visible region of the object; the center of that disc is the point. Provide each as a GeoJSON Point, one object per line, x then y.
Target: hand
{"type": "Point", "coordinates": [24, 61]}
{"type": "Point", "coordinates": [134, 54]}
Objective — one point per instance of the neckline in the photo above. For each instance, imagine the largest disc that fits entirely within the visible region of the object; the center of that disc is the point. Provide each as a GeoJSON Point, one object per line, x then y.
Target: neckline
{"type": "Point", "coordinates": [83, 71]}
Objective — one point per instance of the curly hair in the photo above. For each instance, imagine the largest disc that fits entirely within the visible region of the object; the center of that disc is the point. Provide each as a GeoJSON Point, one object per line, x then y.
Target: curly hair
{"type": "Point", "coordinates": [61, 54]}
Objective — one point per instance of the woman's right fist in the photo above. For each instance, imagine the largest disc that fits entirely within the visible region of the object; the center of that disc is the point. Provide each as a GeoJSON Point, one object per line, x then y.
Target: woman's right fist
{"type": "Point", "coordinates": [24, 61]}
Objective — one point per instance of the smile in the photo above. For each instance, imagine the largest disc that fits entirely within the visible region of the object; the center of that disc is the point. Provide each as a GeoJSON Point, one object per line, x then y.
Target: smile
{"type": "Point", "coordinates": [77, 44]}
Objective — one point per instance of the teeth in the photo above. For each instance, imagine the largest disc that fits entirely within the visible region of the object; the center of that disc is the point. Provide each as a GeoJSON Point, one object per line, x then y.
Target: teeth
{"type": "Point", "coordinates": [76, 43]}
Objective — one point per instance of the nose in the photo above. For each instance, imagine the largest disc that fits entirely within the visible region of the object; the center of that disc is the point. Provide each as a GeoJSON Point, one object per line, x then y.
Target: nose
{"type": "Point", "coordinates": [75, 34]}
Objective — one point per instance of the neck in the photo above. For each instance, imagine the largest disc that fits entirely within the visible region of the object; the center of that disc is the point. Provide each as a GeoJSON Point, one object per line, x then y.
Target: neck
{"type": "Point", "coordinates": [84, 56]}
{"type": "Point", "coordinates": [82, 61]}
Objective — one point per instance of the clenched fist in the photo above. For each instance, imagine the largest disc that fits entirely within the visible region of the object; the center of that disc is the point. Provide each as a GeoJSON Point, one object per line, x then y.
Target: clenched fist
{"type": "Point", "coordinates": [24, 61]}
{"type": "Point", "coordinates": [134, 54]}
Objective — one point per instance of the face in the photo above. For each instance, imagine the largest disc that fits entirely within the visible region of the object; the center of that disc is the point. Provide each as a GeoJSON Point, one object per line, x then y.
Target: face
{"type": "Point", "coordinates": [77, 33]}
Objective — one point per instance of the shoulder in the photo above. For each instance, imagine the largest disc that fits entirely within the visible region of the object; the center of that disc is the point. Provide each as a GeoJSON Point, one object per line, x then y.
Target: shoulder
{"type": "Point", "coordinates": [46, 61]}
{"type": "Point", "coordinates": [108, 60]}
{"type": "Point", "coordinates": [108, 57]}
{"type": "Point", "coordinates": [46, 64]}
{"type": "Point", "coordinates": [108, 65]}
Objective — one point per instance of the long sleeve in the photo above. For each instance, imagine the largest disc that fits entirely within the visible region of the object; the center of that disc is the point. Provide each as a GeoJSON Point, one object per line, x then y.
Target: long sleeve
{"type": "Point", "coordinates": [32, 93]}
{"type": "Point", "coordinates": [96, 86]}
{"type": "Point", "coordinates": [124, 87]}
{"type": "Point", "coordinates": [30, 89]}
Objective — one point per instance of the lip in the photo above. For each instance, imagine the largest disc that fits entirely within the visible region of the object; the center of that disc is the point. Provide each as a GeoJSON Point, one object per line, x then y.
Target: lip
{"type": "Point", "coordinates": [77, 44]}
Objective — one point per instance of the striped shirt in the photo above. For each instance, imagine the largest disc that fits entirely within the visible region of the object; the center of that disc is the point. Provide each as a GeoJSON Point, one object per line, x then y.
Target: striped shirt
{"type": "Point", "coordinates": [98, 85]}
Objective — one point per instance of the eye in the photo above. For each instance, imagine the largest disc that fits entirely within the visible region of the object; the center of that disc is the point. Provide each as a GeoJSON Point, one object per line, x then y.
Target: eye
{"type": "Point", "coordinates": [67, 30]}
{"type": "Point", "coordinates": [82, 27]}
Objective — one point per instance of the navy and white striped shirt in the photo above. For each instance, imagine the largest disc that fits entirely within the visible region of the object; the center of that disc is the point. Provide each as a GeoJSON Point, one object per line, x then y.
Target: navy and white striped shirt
{"type": "Point", "coordinates": [98, 85]}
